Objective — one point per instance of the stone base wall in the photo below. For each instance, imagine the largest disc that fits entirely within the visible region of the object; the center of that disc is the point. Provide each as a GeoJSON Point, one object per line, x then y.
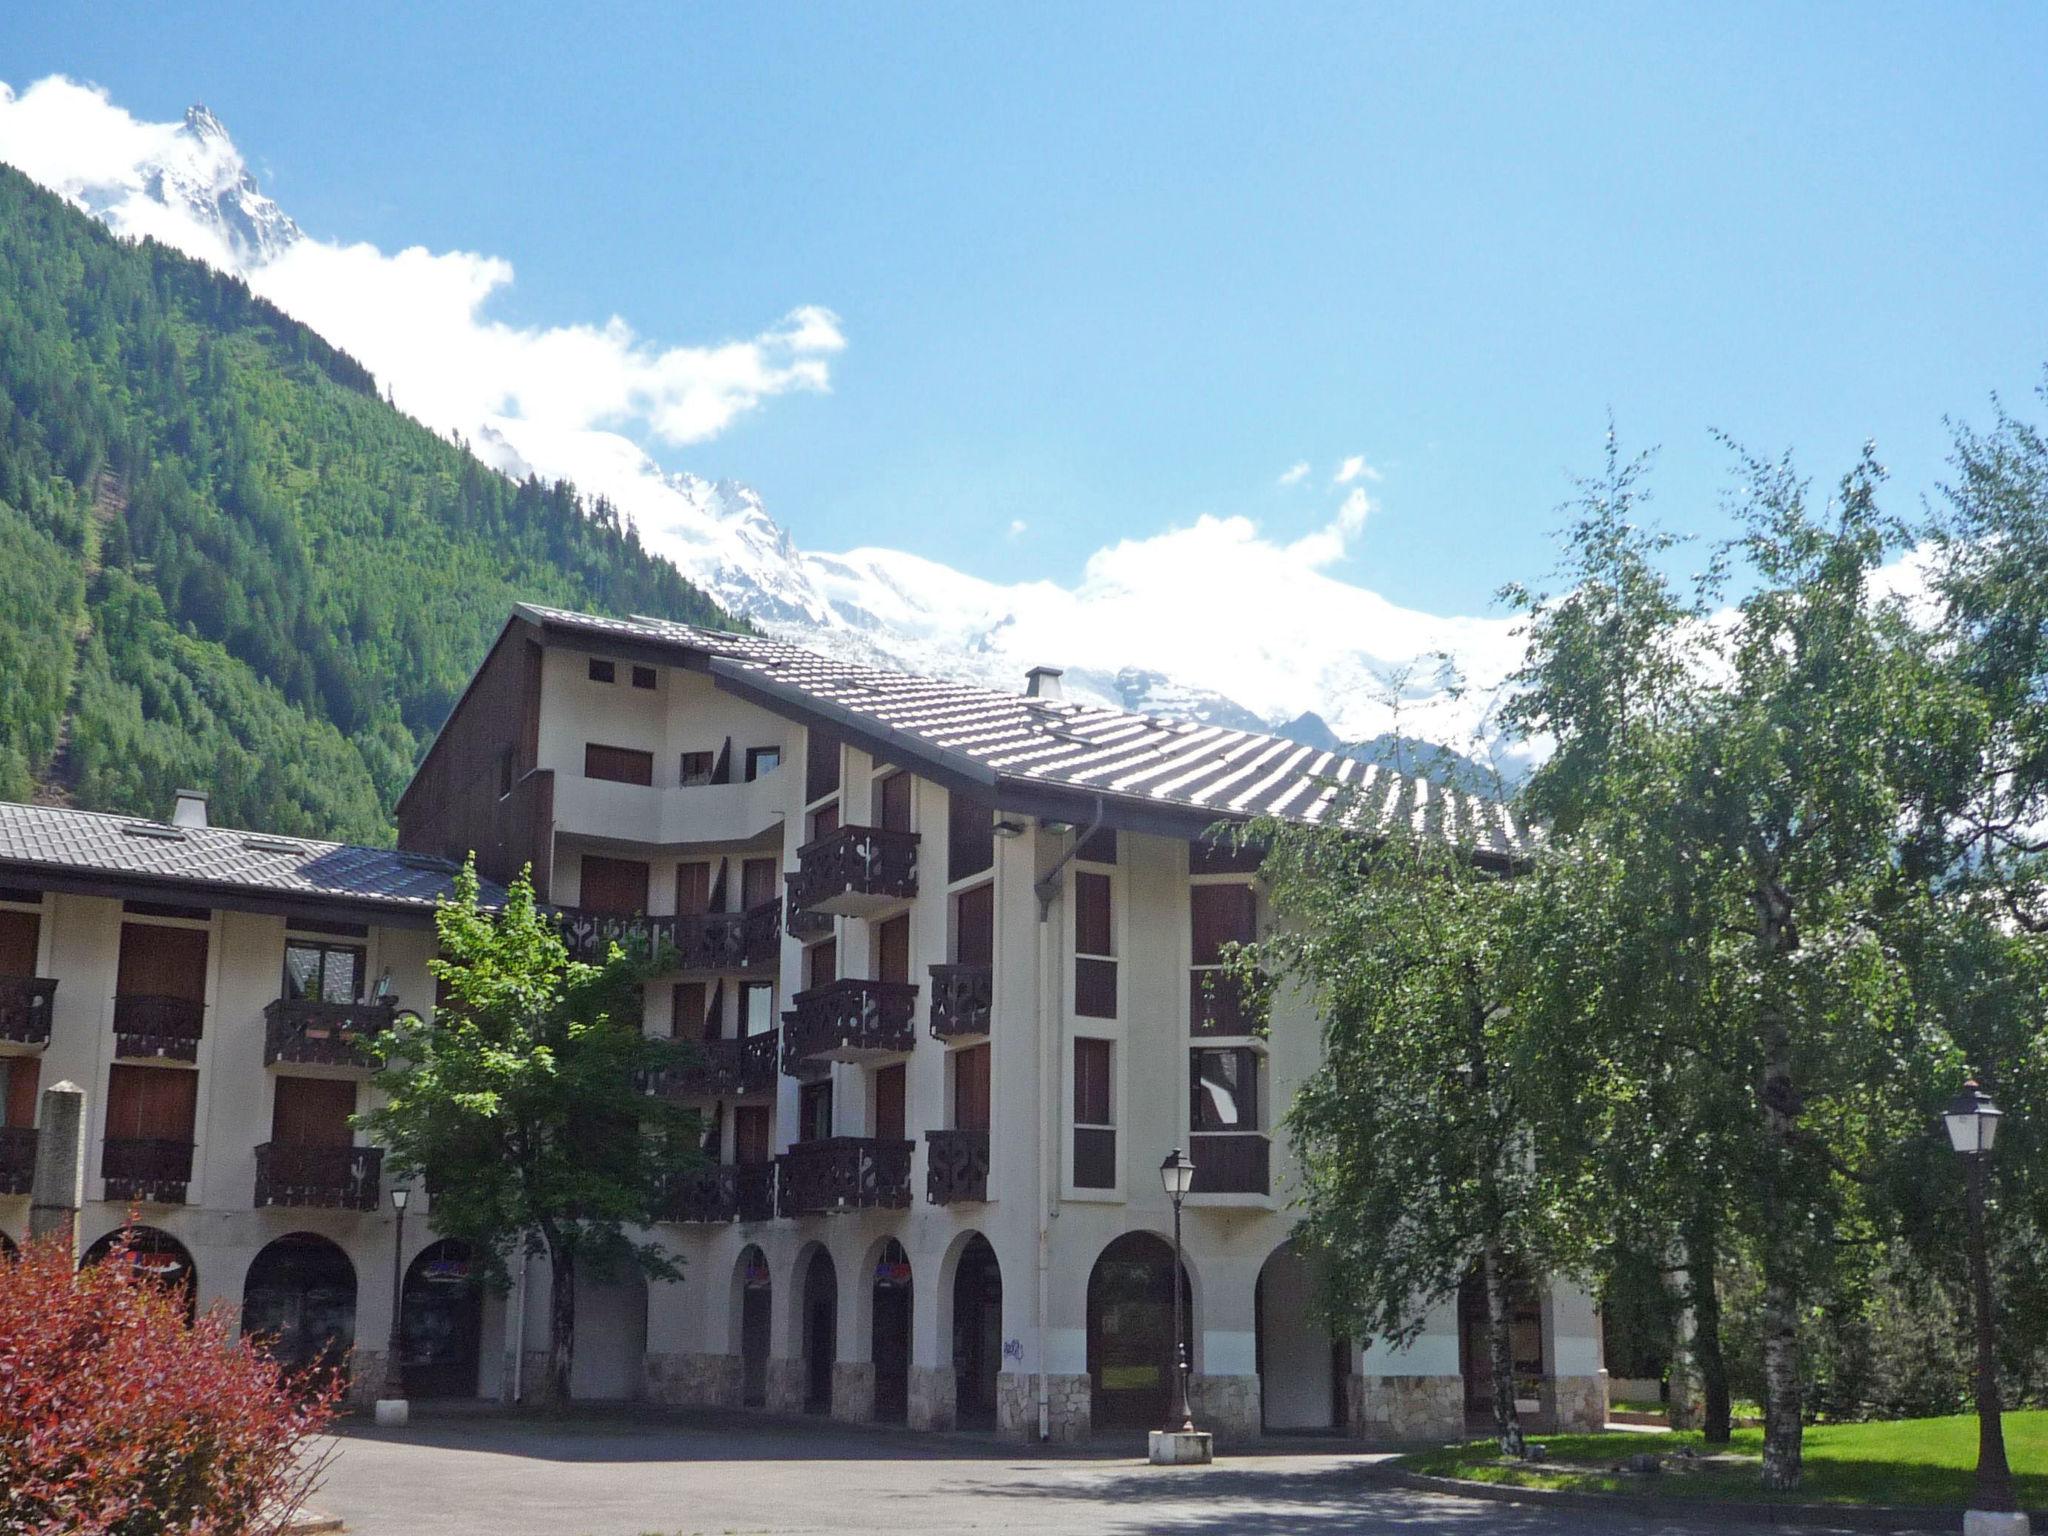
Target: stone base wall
{"type": "Point", "coordinates": [785, 1386]}
{"type": "Point", "coordinates": [365, 1378]}
{"type": "Point", "coordinates": [853, 1391]}
{"type": "Point", "coordinates": [1408, 1407]}
{"type": "Point", "coordinates": [1575, 1402]}
{"type": "Point", "coordinates": [934, 1397]}
{"type": "Point", "coordinates": [1226, 1406]}
{"type": "Point", "coordinates": [694, 1380]}
{"type": "Point", "coordinates": [1071, 1400]}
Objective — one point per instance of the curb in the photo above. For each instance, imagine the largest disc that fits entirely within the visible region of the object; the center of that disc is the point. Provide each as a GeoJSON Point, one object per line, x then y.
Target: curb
{"type": "Point", "coordinates": [1839, 1517]}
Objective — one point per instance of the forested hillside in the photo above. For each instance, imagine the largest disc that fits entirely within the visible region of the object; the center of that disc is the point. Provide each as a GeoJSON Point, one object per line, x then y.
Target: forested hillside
{"type": "Point", "coordinates": [226, 562]}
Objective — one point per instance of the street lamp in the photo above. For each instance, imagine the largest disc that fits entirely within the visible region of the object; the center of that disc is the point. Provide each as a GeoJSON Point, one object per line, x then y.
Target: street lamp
{"type": "Point", "coordinates": [394, 1371]}
{"type": "Point", "coordinates": [1972, 1121]}
{"type": "Point", "coordinates": [1177, 1173]}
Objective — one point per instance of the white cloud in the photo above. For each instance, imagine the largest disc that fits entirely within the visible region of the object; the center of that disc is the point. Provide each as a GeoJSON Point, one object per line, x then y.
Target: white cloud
{"type": "Point", "coordinates": [1295, 473]}
{"type": "Point", "coordinates": [1018, 527]}
{"type": "Point", "coordinates": [1352, 469]}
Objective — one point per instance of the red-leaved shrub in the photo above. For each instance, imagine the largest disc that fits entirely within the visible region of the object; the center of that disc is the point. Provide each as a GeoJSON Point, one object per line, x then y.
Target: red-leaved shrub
{"type": "Point", "coordinates": [118, 1419]}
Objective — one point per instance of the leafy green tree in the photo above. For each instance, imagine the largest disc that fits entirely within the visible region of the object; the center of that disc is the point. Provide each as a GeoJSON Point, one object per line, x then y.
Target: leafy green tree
{"type": "Point", "coordinates": [523, 1104]}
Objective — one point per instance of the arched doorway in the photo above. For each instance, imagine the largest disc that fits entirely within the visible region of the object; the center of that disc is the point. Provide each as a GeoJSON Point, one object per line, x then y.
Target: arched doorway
{"type": "Point", "coordinates": [1131, 1359]}
{"type": "Point", "coordinates": [1475, 1353]}
{"type": "Point", "coordinates": [300, 1293]}
{"type": "Point", "coordinates": [1303, 1370]}
{"type": "Point", "coordinates": [753, 1296]}
{"type": "Point", "coordinates": [977, 1333]}
{"type": "Point", "coordinates": [441, 1322]}
{"type": "Point", "coordinates": [157, 1254]}
{"type": "Point", "coordinates": [891, 1302]}
{"type": "Point", "coordinates": [820, 1332]}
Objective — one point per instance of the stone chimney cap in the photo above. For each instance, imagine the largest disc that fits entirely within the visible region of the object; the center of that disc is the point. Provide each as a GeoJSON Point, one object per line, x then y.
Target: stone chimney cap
{"type": "Point", "coordinates": [189, 808]}
{"type": "Point", "coordinates": [1044, 683]}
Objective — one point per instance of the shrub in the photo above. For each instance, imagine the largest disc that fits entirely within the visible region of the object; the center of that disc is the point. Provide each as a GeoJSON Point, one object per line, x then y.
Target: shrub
{"type": "Point", "coordinates": [117, 1418]}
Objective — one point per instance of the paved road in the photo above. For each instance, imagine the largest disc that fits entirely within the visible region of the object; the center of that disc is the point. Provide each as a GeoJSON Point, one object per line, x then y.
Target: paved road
{"type": "Point", "coordinates": [497, 1477]}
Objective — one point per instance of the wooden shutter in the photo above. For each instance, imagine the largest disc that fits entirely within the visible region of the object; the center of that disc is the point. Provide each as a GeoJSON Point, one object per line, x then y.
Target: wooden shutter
{"type": "Point", "coordinates": [19, 933]}
{"type": "Point", "coordinates": [970, 836]}
{"type": "Point", "coordinates": [693, 889]}
{"type": "Point", "coordinates": [1220, 915]}
{"type": "Point", "coordinates": [162, 962]}
{"type": "Point", "coordinates": [753, 1133]}
{"type": "Point", "coordinates": [821, 963]}
{"type": "Point", "coordinates": [892, 946]}
{"type": "Point", "coordinates": [619, 765]}
{"type": "Point", "coordinates": [1092, 1102]}
{"type": "Point", "coordinates": [974, 926]}
{"type": "Point", "coordinates": [313, 1112]}
{"type": "Point", "coordinates": [152, 1103]}
{"type": "Point", "coordinates": [970, 1089]}
{"type": "Point", "coordinates": [757, 883]}
{"type": "Point", "coordinates": [23, 1073]}
{"type": "Point", "coordinates": [686, 1021]}
{"type": "Point", "coordinates": [824, 822]}
{"type": "Point", "coordinates": [889, 1086]}
{"type": "Point", "coordinates": [894, 802]}
{"type": "Point", "coordinates": [616, 886]}
{"type": "Point", "coordinates": [821, 766]}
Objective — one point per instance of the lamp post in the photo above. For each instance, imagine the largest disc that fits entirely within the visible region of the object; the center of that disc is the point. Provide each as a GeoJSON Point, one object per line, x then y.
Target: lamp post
{"type": "Point", "coordinates": [391, 1408]}
{"type": "Point", "coordinates": [1177, 1173]}
{"type": "Point", "coordinates": [1972, 1121]}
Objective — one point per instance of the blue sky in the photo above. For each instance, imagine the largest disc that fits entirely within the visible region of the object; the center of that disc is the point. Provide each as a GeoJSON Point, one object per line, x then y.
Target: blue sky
{"type": "Point", "coordinates": [1103, 269]}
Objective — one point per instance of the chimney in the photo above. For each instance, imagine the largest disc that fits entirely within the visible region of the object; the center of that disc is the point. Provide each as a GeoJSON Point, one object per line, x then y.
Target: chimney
{"type": "Point", "coordinates": [189, 810]}
{"type": "Point", "coordinates": [1044, 683]}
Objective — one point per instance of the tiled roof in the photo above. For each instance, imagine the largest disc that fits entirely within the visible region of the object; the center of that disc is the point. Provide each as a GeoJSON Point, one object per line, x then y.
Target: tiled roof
{"type": "Point", "coordinates": [94, 843]}
{"type": "Point", "coordinates": [1010, 738]}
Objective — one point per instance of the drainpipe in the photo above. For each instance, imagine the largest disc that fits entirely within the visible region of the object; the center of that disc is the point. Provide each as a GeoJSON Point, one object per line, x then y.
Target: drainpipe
{"type": "Point", "coordinates": [1050, 1095]}
{"type": "Point", "coordinates": [516, 1374]}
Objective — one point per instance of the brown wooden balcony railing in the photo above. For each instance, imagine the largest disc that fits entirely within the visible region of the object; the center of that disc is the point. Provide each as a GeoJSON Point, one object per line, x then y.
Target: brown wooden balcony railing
{"type": "Point", "coordinates": [146, 1171]}
{"type": "Point", "coordinates": [849, 1020]}
{"type": "Point", "coordinates": [956, 1166]}
{"type": "Point", "coordinates": [1218, 1005]}
{"type": "Point", "coordinates": [17, 1159]}
{"type": "Point", "coordinates": [310, 1032]}
{"type": "Point", "coordinates": [802, 923]}
{"type": "Point", "coordinates": [165, 1027]}
{"type": "Point", "coordinates": [843, 1173]}
{"type": "Point", "coordinates": [761, 934]}
{"type": "Point", "coordinates": [727, 1068]}
{"type": "Point", "coordinates": [1235, 1163]}
{"type": "Point", "coordinates": [699, 941]}
{"type": "Point", "coordinates": [26, 1003]}
{"type": "Point", "coordinates": [963, 997]}
{"type": "Point", "coordinates": [855, 870]}
{"type": "Point", "coordinates": [333, 1178]}
{"type": "Point", "coordinates": [722, 1192]}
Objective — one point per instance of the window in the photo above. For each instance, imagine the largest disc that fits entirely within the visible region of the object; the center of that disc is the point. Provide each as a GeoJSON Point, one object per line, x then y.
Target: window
{"type": "Point", "coordinates": [892, 949]}
{"type": "Point", "coordinates": [821, 767]}
{"type": "Point", "coordinates": [617, 765]}
{"type": "Point", "coordinates": [757, 883]}
{"type": "Point", "coordinates": [970, 836]}
{"type": "Point", "coordinates": [151, 1103]}
{"type": "Point", "coordinates": [974, 926]}
{"type": "Point", "coordinates": [1094, 938]}
{"type": "Point", "coordinates": [753, 1134]}
{"type": "Point", "coordinates": [602, 671]}
{"type": "Point", "coordinates": [821, 963]}
{"type": "Point", "coordinates": [893, 802]}
{"type": "Point", "coordinates": [643, 677]}
{"type": "Point", "coordinates": [1094, 1115]}
{"type": "Point", "coordinates": [970, 1088]}
{"type": "Point", "coordinates": [757, 1008]}
{"type": "Point", "coordinates": [505, 766]}
{"type": "Point", "coordinates": [1223, 1089]}
{"type": "Point", "coordinates": [1220, 915]}
{"type": "Point", "coordinates": [330, 973]}
{"type": "Point", "coordinates": [888, 1122]}
{"type": "Point", "coordinates": [762, 760]}
{"type": "Point", "coordinates": [697, 768]}
{"type": "Point", "coordinates": [312, 1112]}
{"type": "Point", "coordinates": [693, 889]}
{"type": "Point", "coordinates": [162, 962]}
{"type": "Point", "coordinates": [687, 1010]}
{"type": "Point", "coordinates": [614, 886]}
{"type": "Point", "coordinates": [814, 1111]}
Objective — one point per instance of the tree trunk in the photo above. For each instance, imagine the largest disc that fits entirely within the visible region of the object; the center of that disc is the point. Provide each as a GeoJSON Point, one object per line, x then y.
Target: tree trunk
{"type": "Point", "coordinates": [1779, 1097]}
{"type": "Point", "coordinates": [561, 1325]}
{"type": "Point", "coordinates": [1500, 1341]}
{"type": "Point", "coordinates": [1703, 1299]}
{"type": "Point", "coordinates": [1783, 1425]}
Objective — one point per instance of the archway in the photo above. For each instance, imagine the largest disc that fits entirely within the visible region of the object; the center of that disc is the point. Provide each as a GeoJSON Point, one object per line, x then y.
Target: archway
{"type": "Point", "coordinates": [157, 1254]}
{"type": "Point", "coordinates": [1303, 1370]}
{"type": "Point", "coordinates": [441, 1322]}
{"type": "Point", "coordinates": [891, 1302]}
{"type": "Point", "coordinates": [977, 1333]}
{"type": "Point", "coordinates": [820, 1330]}
{"type": "Point", "coordinates": [753, 1296]}
{"type": "Point", "coordinates": [1475, 1354]}
{"type": "Point", "coordinates": [300, 1293]}
{"type": "Point", "coordinates": [1131, 1359]}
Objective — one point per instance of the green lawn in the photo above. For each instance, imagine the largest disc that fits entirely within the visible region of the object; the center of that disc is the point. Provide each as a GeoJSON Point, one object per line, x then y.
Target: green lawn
{"type": "Point", "coordinates": [1911, 1461]}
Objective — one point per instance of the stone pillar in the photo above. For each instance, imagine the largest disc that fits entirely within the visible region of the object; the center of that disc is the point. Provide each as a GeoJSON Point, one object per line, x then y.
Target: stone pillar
{"type": "Point", "coordinates": [58, 1189]}
{"type": "Point", "coordinates": [366, 1378]}
{"type": "Point", "coordinates": [785, 1385]}
{"type": "Point", "coordinates": [853, 1391]}
{"type": "Point", "coordinates": [934, 1397]}
{"type": "Point", "coordinates": [1072, 1403]}
{"type": "Point", "coordinates": [1575, 1376]}
{"type": "Point", "coordinates": [692, 1380]}
{"type": "Point", "coordinates": [1226, 1406]}
{"type": "Point", "coordinates": [1403, 1408]}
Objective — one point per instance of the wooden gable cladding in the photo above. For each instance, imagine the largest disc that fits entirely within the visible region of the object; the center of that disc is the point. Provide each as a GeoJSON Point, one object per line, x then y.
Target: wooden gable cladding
{"type": "Point", "coordinates": [20, 942]}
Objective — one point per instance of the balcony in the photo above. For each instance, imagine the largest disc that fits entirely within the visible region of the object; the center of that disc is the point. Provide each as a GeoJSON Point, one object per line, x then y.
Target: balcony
{"type": "Point", "coordinates": [703, 941]}
{"type": "Point", "coordinates": [1218, 1004]}
{"type": "Point", "coordinates": [147, 1171]}
{"type": "Point", "coordinates": [321, 1178]}
{"type": "Point", "coordinates": [730, 1069]}
{"type": "Point", "coordinates": [843, 1173]}
{"type": "Point", "coordinates": [962, 1000]}
{"type": "Point", "coordinates": [1235, 1163]}
{"type": "Point", "coordinates": [855, 871]}
{"type": "Point", "coordinates": [761, 935]}
{"type": "Point", "coordinates": [308, 1032]}
{"type": "Point", "coordinates": [723, 1192]}
{"type": "Point", "coordinates": [849, 1020]}
{"type": "Point", "coordinates": [956, 1167]}
{"type": "Point", "coordinates": [802, 923]}
{"type": "Point", "coordinates": [17, 1159]}
{"type": "Point", "coordinates": [162, 1028]}
{"type": "Point", "coordinates": [26, 1003]}
{"type": "Point", "coordinates": [669, 815]}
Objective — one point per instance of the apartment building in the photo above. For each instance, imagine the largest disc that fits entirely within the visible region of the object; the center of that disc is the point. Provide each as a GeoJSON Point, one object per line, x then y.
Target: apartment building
{"type": "Point", "coordinates": [208, 988]}
{"type": "Point", "coordinates": [951, 956]}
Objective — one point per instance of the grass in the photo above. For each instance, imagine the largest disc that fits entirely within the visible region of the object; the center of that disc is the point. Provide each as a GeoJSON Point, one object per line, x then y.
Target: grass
{"type": "Point", "coordinates": [1909, 1461]}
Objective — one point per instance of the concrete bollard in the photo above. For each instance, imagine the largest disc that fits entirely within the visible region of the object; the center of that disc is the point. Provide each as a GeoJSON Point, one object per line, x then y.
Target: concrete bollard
{"type": "Point", "coordinates": [393, 1412]}
{"type": "Point", "coordinates": [59, 1187]}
